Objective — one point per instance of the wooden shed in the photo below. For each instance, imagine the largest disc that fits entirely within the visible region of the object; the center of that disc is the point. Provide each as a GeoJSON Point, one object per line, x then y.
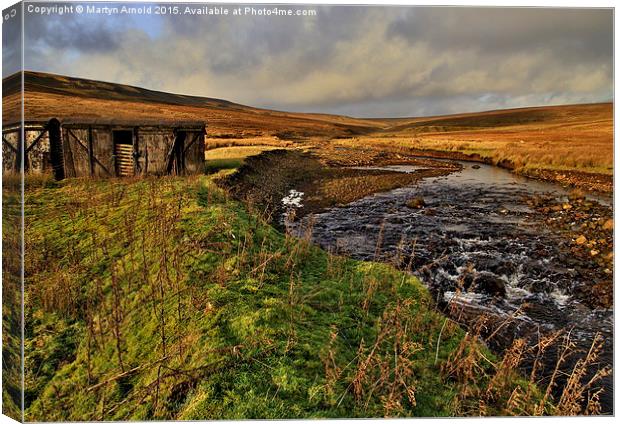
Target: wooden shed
{"type": "Point", "coordinates": [104, 148]}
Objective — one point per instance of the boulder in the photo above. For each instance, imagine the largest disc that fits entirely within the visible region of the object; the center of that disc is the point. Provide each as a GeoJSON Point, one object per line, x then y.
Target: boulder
{"type": "Point", "coordinates": [416, 203]}
{"type": "Point", "coordinates": [490, 284]}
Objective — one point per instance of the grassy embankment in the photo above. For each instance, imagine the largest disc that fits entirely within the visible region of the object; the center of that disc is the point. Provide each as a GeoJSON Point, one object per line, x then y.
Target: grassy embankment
{"type": "Point", "coordinates": [11, 297]}
{"type": "Point", "coordinates": [163, 298]}
{"type": "Point", "coordinates": [267, 178]}
{"type": "Point", "coordinates": [218, 158]}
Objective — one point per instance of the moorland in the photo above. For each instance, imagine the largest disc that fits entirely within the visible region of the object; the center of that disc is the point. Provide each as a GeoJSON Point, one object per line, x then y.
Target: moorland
{"type": "Point", "coordinates": [187, 297]}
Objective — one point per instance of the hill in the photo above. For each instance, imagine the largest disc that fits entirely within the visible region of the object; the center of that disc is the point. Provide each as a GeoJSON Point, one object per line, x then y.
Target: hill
{"type": "Point", "coordinates": [548, 142]}
{"type": "Point", "coordinates": [539, 141]}
{"type": "Point", "coordinates": [48, 95]}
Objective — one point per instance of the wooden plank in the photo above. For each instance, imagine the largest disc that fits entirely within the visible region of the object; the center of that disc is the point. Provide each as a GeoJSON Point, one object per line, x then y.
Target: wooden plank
{"type": "Point", "coordinates": [196, 137]}
{"type": "Point", "coordinates": [8, 143]}
{"type": "Point", "coordinates": [86, 148]}
{"type": "Point", "coordinates": [57, 157]}
{"type": "Point", "coordinates": [36, 140]}
{"type": "Point", "coordinates": [169, 157]}
{"type": "Point", "coordinates": [67, 152]}
{"type": "Point", "coordinates": [91, 155]}
{"type": "Point", "coordinates": [124, 159]}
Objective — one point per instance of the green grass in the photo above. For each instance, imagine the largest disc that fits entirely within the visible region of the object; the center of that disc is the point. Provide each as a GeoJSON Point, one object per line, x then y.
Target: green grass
{"type": "Point", "coordinates": [11, 298]}
{"type": "Point", "coordinates": [231, 157]}
{"type": "Point", "coordinates": [164, 299]}
{"type": "Point", "coordinates": [214, 165]}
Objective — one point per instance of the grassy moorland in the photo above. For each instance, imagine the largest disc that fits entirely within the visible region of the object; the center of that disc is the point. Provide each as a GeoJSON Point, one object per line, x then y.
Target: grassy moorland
{"type": "Point", "coordinates": [232, 157]}
{"type": "Point", "coordinates": [165, 299]}
{"type": "Point", "coordinates": [11, 298]}
{"type": "Point", "coordinates": [569, 144]}
{"type": "Point", "coordinates": [558, 137]}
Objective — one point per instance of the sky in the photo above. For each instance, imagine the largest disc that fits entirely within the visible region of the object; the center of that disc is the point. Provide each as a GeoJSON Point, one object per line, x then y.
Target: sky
{"type": "Point", "coordinates": [351, 60]}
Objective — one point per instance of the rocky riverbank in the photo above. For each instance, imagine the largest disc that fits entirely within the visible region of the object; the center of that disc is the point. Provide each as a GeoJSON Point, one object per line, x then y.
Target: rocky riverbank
{"type": "Point", "coordinates": [588, 228]}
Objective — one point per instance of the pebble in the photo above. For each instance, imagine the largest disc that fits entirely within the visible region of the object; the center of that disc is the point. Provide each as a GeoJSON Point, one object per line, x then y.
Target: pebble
{"type": "Point", "coordinates": [581, 239]}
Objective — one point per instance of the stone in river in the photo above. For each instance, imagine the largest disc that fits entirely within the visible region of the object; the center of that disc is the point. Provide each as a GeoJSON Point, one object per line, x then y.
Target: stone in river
{"type": "Point", "coordinates": [416, 203]}
{"type": "Point", "coordinates": [581, 239]}
{"type": "Point", "coordinates": [490, 284]}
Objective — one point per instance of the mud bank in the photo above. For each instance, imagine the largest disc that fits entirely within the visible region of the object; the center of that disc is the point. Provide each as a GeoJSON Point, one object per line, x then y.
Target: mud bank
{"type": "Point", "coordinates": [315, 181]}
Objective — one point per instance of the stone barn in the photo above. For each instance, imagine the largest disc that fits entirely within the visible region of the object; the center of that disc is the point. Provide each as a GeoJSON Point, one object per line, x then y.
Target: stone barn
{"type": "Point", "coordinates": [104, 148]}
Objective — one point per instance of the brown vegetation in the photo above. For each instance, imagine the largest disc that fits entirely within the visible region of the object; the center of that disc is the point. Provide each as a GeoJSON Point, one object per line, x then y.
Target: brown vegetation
{"type": "Point", "coordinates": [556, 138]}
{"type": "Point", "coordinates": [267, 178]}
{"type": "Point", "coordinates": [547, 142]}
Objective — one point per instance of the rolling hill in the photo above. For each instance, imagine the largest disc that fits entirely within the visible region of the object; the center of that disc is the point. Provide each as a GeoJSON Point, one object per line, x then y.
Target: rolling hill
{"type": "Point", "coordinates": [553, 138]}
{"type": "Point", "coordinates": [48, 95]}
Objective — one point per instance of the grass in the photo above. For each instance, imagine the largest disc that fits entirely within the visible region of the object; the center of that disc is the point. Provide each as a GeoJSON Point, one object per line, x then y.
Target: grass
{"type": "Point", "coordinates": [165, 299]}
{"type": "Point", "coordinates": [559, 138]}
{"type": "Point", "coordinates": [592, 155]}
{"type": "Point", "coordinates": [266, 179]}
{"type": "Point", "coordinates": [568, 138]}
{"type": "Point", "coordinates": [231, 157]}
{"type": "Point", "coordinates": [11, 297]}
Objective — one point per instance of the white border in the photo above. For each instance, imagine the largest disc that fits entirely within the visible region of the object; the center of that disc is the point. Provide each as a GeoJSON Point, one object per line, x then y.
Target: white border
{"type": "Point", "coordinates": [502, 3]}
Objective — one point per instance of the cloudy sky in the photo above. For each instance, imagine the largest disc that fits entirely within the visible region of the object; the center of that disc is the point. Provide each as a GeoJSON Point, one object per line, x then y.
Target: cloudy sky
{"type": "Point", "coordinates": [358, 61]}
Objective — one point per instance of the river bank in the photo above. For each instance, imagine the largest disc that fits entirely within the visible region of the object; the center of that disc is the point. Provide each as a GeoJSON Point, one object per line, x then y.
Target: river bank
{"type": "Point", "coordinates": [601, 183]}
{"type": "Point", "coordinates": [220, 316]}
{"type": "Point", "coordinates": [593, 182]}
{"type": "Point", "coordinates": [319, 181]}
{"type": "Point", "coordinates": [486, 242]}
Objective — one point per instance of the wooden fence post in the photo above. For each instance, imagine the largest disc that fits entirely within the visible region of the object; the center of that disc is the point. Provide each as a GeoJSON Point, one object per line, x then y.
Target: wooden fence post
{"type": "Point", "coordinates": [91, 164]}
{"type": "Point", "coordinates": [19, 154]}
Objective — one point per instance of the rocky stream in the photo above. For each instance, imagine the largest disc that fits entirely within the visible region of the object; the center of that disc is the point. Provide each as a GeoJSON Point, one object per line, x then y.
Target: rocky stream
{"type": "Point", "coordinates": [488, 242]}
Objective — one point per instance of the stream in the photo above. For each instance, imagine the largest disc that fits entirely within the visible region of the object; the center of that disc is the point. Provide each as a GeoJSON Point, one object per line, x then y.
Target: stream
{"type": "Point", "coordinates": [475, 243]}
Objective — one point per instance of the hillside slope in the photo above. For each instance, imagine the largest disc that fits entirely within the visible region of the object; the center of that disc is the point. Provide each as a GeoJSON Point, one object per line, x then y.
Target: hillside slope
{"type": "Point", "coordinates": [48, 96]}
{"type": "Point", "coordinates": [540, 141]}
{"type": "Point", "coordinates": [166, 300]}
{"type": "Point", "coordinates": [568, 144]}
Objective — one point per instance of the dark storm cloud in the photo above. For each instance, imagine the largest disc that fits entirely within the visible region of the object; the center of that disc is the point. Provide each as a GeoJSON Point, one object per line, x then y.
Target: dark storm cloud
{"type": "Point", "coordinates": [239, 44]}
{"type": "Point", "coordinates": [82, 33]}
{"type": "Point", "coordinates": [71, 34]}
{"type": "Point", "coordinates": [11, 40]}
{"type": "Point", "coordinates": [498, 30]}
{"type": "Point", "coordinates": [364, 61]}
